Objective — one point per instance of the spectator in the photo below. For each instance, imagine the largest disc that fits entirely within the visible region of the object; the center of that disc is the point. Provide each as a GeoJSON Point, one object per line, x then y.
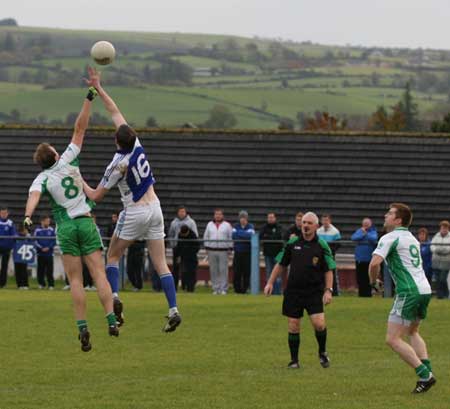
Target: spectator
{"type": "Point", "coordinates": [242, 254]}
{"type": "Point", "coordinates": [296, 229]}
{"type": "Point", "coordinates": [181, 218]}
{"type": "Point", "coordinates": [45, 247]}
{"type": "Point", "coordinates": [366, 238]}
{"type": "Point", "coordinates": [440, 247]}
{"type": "Point", "coordinates": [425, 253]}
{"type": "Point", "coordinates": [188, 255]}
{"type": "Point", "coordinates": [218, 229]}
{"type": "Point", "coordinates": [24, 253]}
{"type": "Point", "coordinates": [6, 229]}
{"type": "Point", "coordinates": [272, 230]}
{"type": "Point", "coordinates": [331, 235]}
{"type": "Point", "coordinates": [135, 264]}
{"type": "Point", "coordinates": [112, 226]}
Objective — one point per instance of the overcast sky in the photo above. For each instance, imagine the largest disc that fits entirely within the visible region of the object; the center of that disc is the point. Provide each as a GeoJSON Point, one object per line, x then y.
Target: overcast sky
{"type": "Point", "coordinates": [398, 23]}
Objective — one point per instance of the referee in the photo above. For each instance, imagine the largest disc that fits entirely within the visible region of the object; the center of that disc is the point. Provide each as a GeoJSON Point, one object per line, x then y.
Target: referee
{"type": "Point", "coordinates": [309, 286]}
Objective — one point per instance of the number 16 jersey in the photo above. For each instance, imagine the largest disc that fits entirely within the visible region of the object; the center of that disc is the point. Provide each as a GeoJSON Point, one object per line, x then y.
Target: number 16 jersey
{"type": "Point", "coordinates": [401, 251]}
{"type": "Point", "coordinates": [131, 172]}
{"type": "Point", "coordinates": [64, 186]}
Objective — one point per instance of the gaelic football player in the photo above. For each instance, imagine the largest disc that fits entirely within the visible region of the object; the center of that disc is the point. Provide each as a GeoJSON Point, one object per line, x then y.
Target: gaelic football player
{"type": "Point", "coordinates": [142, 218]}
{"type": "Point", "coordinates": [77, 234]}
{"type": "Point", "coordinates": [401, 251]}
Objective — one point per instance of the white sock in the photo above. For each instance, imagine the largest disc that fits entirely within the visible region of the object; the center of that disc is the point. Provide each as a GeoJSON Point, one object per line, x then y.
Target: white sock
{"type": "Point", "coordinates": [172, 311]}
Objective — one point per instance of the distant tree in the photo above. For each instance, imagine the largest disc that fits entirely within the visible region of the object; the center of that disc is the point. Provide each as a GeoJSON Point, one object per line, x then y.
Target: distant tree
{"type": "Point", "coordinates": [441, 126]}
{"type": "Point", "coordinates": [8, 22]}
{"type": "Point", "coordinates": [409, 109]}
{"type": "Point", "coordinates": [284, 83]}
{"type": "Point", "coordinates": [214, 71]}
{"type": "Point", "coordinates": [379, 121]}
{"type": "Point", "coordinates": [70, 118]}
{"type": "Point", "coordinates": [15, 116]}
{"type": "Point", "coordinates": [220, 117]}
{"type": "Point", "coordinates": [323, 121]}
{"type": "Point", "coordinates": [151, 122]}
{"type": "Point", "coordinates": [286, 124]}
{"type": "Point", "coordinates": [301, 119]}
{"type": "Point", "coordinates": [9, 43]}
{"type": "Point", "coordinates": [375, 79]}
{"type": "Point", "coordinates": [346, 84]}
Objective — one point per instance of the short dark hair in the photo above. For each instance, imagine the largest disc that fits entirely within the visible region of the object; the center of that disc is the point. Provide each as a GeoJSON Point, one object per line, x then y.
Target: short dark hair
{"type": "Point", "coordinates": [181, 207]}
{"type": "Point", "coordinates": [45, 216]}
{"type": "Point", "coordinates": [403, 212]}
{"type": "Point", "coordinates": [272, 213]}
{"type": "Point", "coordinates": [44, 156]}
{"type": "Point", "coordinates": [326, 215]}
{"type": "Point", "coordinates": [218, 209]}
{"type": "Point", "coordinates": [126, 137]}
{"type": "Point", "coordinates": [299, 214]}
{"type": "Point", "coordinates": [3, 208]}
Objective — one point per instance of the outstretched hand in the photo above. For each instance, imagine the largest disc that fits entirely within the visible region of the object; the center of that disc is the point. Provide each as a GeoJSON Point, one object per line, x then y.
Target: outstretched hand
{"type": "Point", "coordinates": [94, 78]}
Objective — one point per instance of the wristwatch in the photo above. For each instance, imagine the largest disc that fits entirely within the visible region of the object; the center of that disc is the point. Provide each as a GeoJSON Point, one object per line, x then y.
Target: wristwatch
{"type": "Point", "coordinates": [329, 289]}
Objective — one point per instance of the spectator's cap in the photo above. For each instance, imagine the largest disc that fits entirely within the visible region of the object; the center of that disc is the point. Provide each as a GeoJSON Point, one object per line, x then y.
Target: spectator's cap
{"type": "Point", "coordinates": [444, 223]}
{"type": "Point", "coordinates": [243, 214]}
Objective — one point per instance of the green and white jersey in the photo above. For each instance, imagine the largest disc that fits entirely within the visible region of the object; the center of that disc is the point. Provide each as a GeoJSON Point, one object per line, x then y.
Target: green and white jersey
{"type": "Point", "coordinates": [64, 186]}
{"type": "Point", "coordinates": [401, 250]}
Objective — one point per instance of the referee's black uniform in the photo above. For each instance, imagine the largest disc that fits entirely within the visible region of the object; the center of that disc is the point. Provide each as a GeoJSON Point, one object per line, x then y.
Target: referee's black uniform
{"type": "Point", "coordinates": [309, 261]}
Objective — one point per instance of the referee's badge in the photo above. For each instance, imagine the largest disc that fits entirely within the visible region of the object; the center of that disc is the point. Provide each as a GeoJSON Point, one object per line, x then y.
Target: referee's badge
{"type": "Point", "coordinates": [315, 261]}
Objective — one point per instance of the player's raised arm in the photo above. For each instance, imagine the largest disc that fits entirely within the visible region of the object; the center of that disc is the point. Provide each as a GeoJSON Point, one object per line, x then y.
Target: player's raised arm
{"type": "Point", "coordinates": [32, 202]}
{"type": "Point", "coordinates": [82, 121]}
{"type": "Point", "coordinates": [110, 105]}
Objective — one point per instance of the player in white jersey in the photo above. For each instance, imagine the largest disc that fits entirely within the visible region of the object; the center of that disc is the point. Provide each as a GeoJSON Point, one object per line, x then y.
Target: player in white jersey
{"type": "Point", "coordinates": [77, 236]}
{"type": "Point", "coordinates": [142, 218]}
{"type": "Point", "coordinates": [401, 251]}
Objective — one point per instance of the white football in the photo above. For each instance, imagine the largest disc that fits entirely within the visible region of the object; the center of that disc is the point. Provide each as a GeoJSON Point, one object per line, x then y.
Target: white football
{"type": "Point", "coordinates": [103, 52]}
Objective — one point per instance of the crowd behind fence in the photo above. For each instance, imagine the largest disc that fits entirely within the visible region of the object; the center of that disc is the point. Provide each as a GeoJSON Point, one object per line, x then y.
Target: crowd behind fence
{"type": "Point", "coordinates": [136, 266]}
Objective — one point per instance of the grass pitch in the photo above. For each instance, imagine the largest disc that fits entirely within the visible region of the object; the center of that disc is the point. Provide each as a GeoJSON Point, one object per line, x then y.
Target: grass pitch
{"type": "Point", "coordinates": [230, 352]}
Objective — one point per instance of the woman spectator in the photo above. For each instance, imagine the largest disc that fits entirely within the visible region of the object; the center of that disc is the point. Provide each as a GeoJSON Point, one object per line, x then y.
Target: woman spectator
{"type": "Point", "coordinates": [425, 252]}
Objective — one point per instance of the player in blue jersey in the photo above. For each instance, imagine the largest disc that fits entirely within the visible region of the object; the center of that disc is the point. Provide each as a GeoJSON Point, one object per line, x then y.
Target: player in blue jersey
{"type": "Point", "coordinates": [141, 218]}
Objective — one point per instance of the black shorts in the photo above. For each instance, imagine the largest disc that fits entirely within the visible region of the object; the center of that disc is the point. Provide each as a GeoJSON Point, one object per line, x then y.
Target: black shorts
{"type": "Point", "coordinates": [294, 304]}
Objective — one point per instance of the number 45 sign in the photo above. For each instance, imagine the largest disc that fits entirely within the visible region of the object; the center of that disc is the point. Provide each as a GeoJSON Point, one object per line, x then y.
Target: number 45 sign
{"type": "Point", "coordinates": [24, 252]}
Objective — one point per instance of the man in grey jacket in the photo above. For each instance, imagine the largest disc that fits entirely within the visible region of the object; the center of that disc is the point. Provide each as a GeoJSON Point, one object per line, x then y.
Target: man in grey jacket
{"type": "Point", "coordinates": [218, 231]}
{"type": "Point", "coordinates": [440, 261]}
{"type": "Point", "coordinates": [182, 218]}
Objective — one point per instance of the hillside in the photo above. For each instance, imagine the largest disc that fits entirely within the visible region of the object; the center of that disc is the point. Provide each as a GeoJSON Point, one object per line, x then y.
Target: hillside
{"type": "Point", "coordinates": [174, 78]}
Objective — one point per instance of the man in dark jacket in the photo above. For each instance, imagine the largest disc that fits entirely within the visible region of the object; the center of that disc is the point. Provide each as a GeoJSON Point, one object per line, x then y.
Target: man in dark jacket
{"type": "Point", "coordinates": [296, 229]}
{"type": "Point", "coordinates": [242, 232]}
{"type": "Point", "coordinates": [366, 238]}
{"type": "Point", "coordinates": [6, 229]}
{"type": "Point", "coordinates": [45, 244]}
{"type": "Point", "coordinates": [272, 231]}
{"type": "Point", "coordinates": [187, 251]}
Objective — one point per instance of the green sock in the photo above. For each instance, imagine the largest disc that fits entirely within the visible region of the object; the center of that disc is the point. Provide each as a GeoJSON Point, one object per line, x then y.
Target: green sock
{"type": "Point", "coordinates": [82, 325]}
{"type": "Point", "coordinates": [427, 363]}
{"type": "Point", "coordinates": [111, 318]}
{"type": "Point", "coordinates": [423, 372]}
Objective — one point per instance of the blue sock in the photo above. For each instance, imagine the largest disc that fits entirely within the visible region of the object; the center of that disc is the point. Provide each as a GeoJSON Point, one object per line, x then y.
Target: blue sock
{"type": "Point", "coordinates": [112, 272]}
{"type": "Point", "coordinates": [168, 286]}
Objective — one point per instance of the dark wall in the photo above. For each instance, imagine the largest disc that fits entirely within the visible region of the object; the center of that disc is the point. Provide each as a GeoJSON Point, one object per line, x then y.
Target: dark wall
{"type": "Point", "coordinates": [349, 176]}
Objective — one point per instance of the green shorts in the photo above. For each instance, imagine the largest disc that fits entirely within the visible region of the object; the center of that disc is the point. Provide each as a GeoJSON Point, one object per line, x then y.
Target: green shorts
{"type": "Point", "coordinates": [409, 308]}
{"type": "Point", "coordinates": [79, 237]}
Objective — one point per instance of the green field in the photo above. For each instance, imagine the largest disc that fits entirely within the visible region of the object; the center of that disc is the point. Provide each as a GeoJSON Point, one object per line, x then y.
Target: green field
{"type": "Point", "coordinates": [230, 352]}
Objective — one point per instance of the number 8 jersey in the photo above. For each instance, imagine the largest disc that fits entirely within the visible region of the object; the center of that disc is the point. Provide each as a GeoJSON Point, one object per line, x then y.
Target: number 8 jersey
{"type": "Point", "coordinates": [401, 251]}
{"type": "Point", "coordinates": [64, 186]}
{"type": "Point", "coordinates": [131, 172]}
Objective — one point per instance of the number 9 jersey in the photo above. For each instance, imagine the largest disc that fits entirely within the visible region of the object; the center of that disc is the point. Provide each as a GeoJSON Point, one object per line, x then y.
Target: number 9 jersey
{"type": "Point", "coordinates": [401, 251]}
{"type": "Point", "coordinates": [131, 172]}
{"type": "Point", "coordinates": [64, 186]}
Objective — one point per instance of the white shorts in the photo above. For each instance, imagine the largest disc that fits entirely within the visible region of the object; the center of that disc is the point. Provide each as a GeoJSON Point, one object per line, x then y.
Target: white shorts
{"type": "Point", "coordinates": [141, 223]}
